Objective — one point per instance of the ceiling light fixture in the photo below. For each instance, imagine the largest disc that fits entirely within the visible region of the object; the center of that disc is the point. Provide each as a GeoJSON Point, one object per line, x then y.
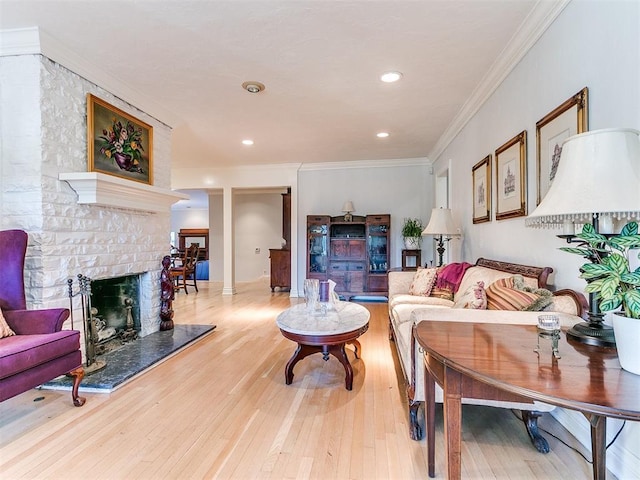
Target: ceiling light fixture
{"type": "Point", "coordinates": [390, 77]}
{"type": "Point", "coordinates": [253, 87]}
{"type": "Point", "coordinates": [382, 134]}
{"type": "Point", "coordinates": [247, 142]}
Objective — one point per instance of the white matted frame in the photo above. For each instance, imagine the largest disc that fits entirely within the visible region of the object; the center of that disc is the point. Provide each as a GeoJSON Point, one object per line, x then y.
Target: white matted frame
{"type": "Point", "coordinates": [567, 119]}
{"type": "Point", "coordinates": [511, 178]}
{"type": "Point", "coordinates": [481, 180]}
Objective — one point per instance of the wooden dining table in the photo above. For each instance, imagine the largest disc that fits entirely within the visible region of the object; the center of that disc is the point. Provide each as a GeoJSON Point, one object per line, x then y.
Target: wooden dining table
{"type": "Point", "coordinates": [491, 361]}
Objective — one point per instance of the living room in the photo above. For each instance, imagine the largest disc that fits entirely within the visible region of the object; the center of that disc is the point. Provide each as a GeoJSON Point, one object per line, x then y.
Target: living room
{"type": "Point", "coordinates": [589, 44]}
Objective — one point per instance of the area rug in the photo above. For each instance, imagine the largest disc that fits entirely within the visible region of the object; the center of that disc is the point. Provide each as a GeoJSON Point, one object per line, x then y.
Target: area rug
{"type": "Point", "coordinates": [369, 299]}
{"type": "Point", "coordinates": [133, 358]}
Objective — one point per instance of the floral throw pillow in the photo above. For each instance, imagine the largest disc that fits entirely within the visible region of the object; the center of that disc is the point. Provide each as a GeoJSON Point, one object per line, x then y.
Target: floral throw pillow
{"type": "Point", "coordinates": [423, 281]}
{"type": "Point", "coordinates": [5, 329]}
{"type": "Point", "coordinates": [474, 298]}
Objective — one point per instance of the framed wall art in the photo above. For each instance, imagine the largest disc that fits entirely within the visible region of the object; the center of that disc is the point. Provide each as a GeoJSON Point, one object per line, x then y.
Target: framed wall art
{"type": "Point", "coordinates": [118, 143]}
{"type": "Point", "coordinates": [511, 178]}
{"type": "Point", "coordinates": [567, 119]}
{"type": "Point", "coordinates": [481, 179]}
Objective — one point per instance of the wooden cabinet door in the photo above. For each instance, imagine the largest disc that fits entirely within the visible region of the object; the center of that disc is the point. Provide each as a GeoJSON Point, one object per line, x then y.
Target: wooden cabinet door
{"type": "Point", "coordinates": [348, 248]}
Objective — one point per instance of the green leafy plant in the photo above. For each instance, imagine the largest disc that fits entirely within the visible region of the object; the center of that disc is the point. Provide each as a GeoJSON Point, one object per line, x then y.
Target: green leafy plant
{"type": "Point", "coordinates": [608, 273]}
{"type": "Point", "coordinates": [412, 228]}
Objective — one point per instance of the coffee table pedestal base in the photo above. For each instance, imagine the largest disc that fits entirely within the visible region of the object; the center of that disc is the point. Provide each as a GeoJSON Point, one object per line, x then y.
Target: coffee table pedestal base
{"type": "Point", "coordinates": [337, 351]}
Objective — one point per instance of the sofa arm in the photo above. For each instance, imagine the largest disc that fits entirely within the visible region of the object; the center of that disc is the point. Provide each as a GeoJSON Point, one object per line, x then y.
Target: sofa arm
{"type": "Point", "coordinates": [571, 302]}
{"type": "Point", "coordinates": [32, 322]}
{"type": "Point", "coordinates": [399, 282]}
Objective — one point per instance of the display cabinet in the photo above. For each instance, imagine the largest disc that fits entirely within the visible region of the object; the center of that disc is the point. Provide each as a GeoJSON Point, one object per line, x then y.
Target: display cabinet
{"type": "Point", "coordinates": [378, 227]}
{"type": "Point", "coordinates": [317, 246]}
{"type": "Point", "coordinates": [354, 254]}
{"type": "Point", "coordinates": [348, 254]}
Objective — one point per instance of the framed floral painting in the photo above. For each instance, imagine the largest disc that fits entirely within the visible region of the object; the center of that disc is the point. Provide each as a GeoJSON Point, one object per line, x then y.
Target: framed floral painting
{"type": "Point", "coordinates": [118, 143]}
{"type": "Point", "coordinates": [567, 119]}
{"type": "Point", "coordinates": [511, 178]}
{"type": "Point", "coordinates": [481, 179]}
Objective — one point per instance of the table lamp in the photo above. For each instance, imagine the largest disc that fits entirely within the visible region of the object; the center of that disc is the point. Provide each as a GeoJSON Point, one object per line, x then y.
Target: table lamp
{"type": "Point", "coordinates": [441, 225]}
{"type": "Point", "coordinates": [347, 208]}
{"type": "Point", "coordinates": [597, 182]}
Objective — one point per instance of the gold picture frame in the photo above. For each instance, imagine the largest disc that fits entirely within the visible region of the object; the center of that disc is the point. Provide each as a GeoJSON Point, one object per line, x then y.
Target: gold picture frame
{"type": "Point", "coordinates": [511, 178]}
{"type": "Point", "coordinates": [567, 119]}
{"type": "Point", "coordinates": [118, 144]}
{"type": "Point", "coordinates": [481, 180]}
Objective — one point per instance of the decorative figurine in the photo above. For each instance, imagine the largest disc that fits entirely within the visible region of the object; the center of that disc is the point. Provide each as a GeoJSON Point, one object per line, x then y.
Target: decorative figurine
{"type": "Point", "coordinates": [167, 295]}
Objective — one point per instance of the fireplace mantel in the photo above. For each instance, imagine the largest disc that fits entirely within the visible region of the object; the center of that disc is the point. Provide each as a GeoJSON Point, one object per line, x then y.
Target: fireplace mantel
{"type": "Point", "coordinates": [96, 188]}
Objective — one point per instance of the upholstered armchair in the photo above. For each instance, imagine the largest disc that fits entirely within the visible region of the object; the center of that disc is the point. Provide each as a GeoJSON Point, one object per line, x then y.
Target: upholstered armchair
{"type": "Point", "coordinates": [36, 349]}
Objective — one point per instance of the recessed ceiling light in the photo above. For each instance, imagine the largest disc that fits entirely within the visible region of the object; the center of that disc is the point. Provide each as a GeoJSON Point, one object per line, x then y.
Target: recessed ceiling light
{"type": "Point", "coordinates": [253, 87]}
{"type": "Point", "coordinates": [382, 134]}
{"type": "Point", "coordinates": [390, 77]}
{"type": "Point", "coordinates": [247, 142]}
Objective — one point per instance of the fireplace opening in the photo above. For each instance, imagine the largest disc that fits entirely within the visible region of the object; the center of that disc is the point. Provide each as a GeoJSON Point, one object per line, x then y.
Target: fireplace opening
{"type": "Point", "coordinates": [115, 310]}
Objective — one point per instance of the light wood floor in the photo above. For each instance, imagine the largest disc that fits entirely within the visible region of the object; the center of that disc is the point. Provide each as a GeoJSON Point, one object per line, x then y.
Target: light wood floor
{"type": "Point", "coordinates": [220, 409]}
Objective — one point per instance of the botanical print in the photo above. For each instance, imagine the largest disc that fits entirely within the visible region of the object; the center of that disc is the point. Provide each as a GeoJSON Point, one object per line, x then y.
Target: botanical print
{"type": "Point", "coordinates": [567, 119]}
{"type": "Point", "coordinates": [482, 194]}
{"type": "Point", "coordinates": [481, 190]}
{"type": "Point", "coordinates": [554, 151]}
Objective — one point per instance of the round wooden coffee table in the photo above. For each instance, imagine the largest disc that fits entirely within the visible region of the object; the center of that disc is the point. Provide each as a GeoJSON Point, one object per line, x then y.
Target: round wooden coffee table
{"type": "Point", "coordinates": [324, 333]}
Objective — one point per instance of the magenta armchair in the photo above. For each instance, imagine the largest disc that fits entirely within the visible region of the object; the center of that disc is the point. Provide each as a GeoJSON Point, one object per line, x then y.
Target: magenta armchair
{"type": "Point", "coordinates": [40, 350]}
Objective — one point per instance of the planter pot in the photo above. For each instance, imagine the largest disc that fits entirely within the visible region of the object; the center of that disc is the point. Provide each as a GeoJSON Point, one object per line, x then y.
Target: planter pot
{"type": "Point", "coordinates": [412, 243]}
{"type": "Point", "coordinates": [627, 333]}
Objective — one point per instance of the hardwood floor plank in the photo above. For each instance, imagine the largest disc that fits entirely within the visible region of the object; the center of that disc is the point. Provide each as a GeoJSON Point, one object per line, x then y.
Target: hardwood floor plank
{"type": "Point", "coordinates": [220, 409]}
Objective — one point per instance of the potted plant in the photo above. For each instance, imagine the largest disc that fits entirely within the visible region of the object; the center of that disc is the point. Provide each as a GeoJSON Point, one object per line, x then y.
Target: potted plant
{"type": "Point", "coordinates": [412, 233]}
{"type": "Point", "coordinates": [616, 287]}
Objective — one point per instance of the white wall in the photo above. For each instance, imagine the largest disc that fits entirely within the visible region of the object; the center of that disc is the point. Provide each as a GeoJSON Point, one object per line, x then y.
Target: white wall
{"type": "Point", "coordinates": [401, 191]}
{"type": "Point", "coordinates": [189, 218]}
{"type": "Point", "coordinates": [257, 224]}
{"type": "Point", "coordinates": [594, 44]}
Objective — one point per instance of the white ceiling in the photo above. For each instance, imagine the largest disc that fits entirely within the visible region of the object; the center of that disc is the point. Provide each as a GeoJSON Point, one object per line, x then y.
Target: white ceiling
{"type": "Point", "coordinates": [183, 61]}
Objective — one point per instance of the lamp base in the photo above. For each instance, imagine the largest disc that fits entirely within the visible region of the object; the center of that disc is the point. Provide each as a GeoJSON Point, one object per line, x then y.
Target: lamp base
{"type": "Point", "coordinates": [592, 333]}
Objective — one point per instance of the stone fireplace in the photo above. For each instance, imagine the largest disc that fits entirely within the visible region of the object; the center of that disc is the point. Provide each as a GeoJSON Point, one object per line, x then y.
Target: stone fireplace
{"type": "Point", "coordinates": [78, 222]}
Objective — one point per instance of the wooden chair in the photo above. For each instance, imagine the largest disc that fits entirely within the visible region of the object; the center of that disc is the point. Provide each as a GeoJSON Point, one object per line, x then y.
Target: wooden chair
{"type": "Point", "coordinates": [186, 271]}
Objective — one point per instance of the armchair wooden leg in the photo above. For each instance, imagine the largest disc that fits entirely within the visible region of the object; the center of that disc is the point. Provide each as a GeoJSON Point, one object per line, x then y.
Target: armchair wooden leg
{"type": "Point", "coordinates": [78, 375]}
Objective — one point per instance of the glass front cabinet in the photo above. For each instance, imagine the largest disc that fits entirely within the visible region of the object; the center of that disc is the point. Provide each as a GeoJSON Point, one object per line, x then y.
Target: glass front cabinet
{"type": "Point", "coordinates": [317, 246]}
{"type": "Point", "coordinates": [378, 227]}
{"type": "Point", "coordinates": [354, 254]}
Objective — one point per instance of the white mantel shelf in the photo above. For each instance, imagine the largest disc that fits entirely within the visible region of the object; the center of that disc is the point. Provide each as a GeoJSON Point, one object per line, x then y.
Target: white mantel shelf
{"type": "Point", "coordinates": [96, 188]}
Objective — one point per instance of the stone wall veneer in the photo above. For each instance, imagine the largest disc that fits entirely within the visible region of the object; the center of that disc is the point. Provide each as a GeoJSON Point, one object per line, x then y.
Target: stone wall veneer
{"type": "Point", "coordinates": [43, 132]}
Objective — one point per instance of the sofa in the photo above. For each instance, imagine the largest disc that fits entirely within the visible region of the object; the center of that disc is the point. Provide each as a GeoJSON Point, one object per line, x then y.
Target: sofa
{"type": "Point", "coordinates": [470, 283]}
{"type": "Point", "coordinates": [33, 347]}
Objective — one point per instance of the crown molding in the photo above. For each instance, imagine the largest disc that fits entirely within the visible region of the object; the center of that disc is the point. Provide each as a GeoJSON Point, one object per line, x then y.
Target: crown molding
{"type": "Point", "coordinates": [35, 41]}
{"type": "Point", "coordinates": [397, 162]}
{"type": "Point", "coordinates": [539, 19]}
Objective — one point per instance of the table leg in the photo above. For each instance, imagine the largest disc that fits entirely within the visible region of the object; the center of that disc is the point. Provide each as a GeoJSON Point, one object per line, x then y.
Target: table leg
{"type": "Point", "coordinates": [301, 352]}
{"type": "Point", "coordinates": [356, 347]}
{"type": "Point", "coordinates": [339, 352]}
{"type": "Point", "coordinates": [453, 422]}
{"type": "Point", "coordinates": [598, 446]}
{"type": "Point", "coordinates": [430, 420]}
